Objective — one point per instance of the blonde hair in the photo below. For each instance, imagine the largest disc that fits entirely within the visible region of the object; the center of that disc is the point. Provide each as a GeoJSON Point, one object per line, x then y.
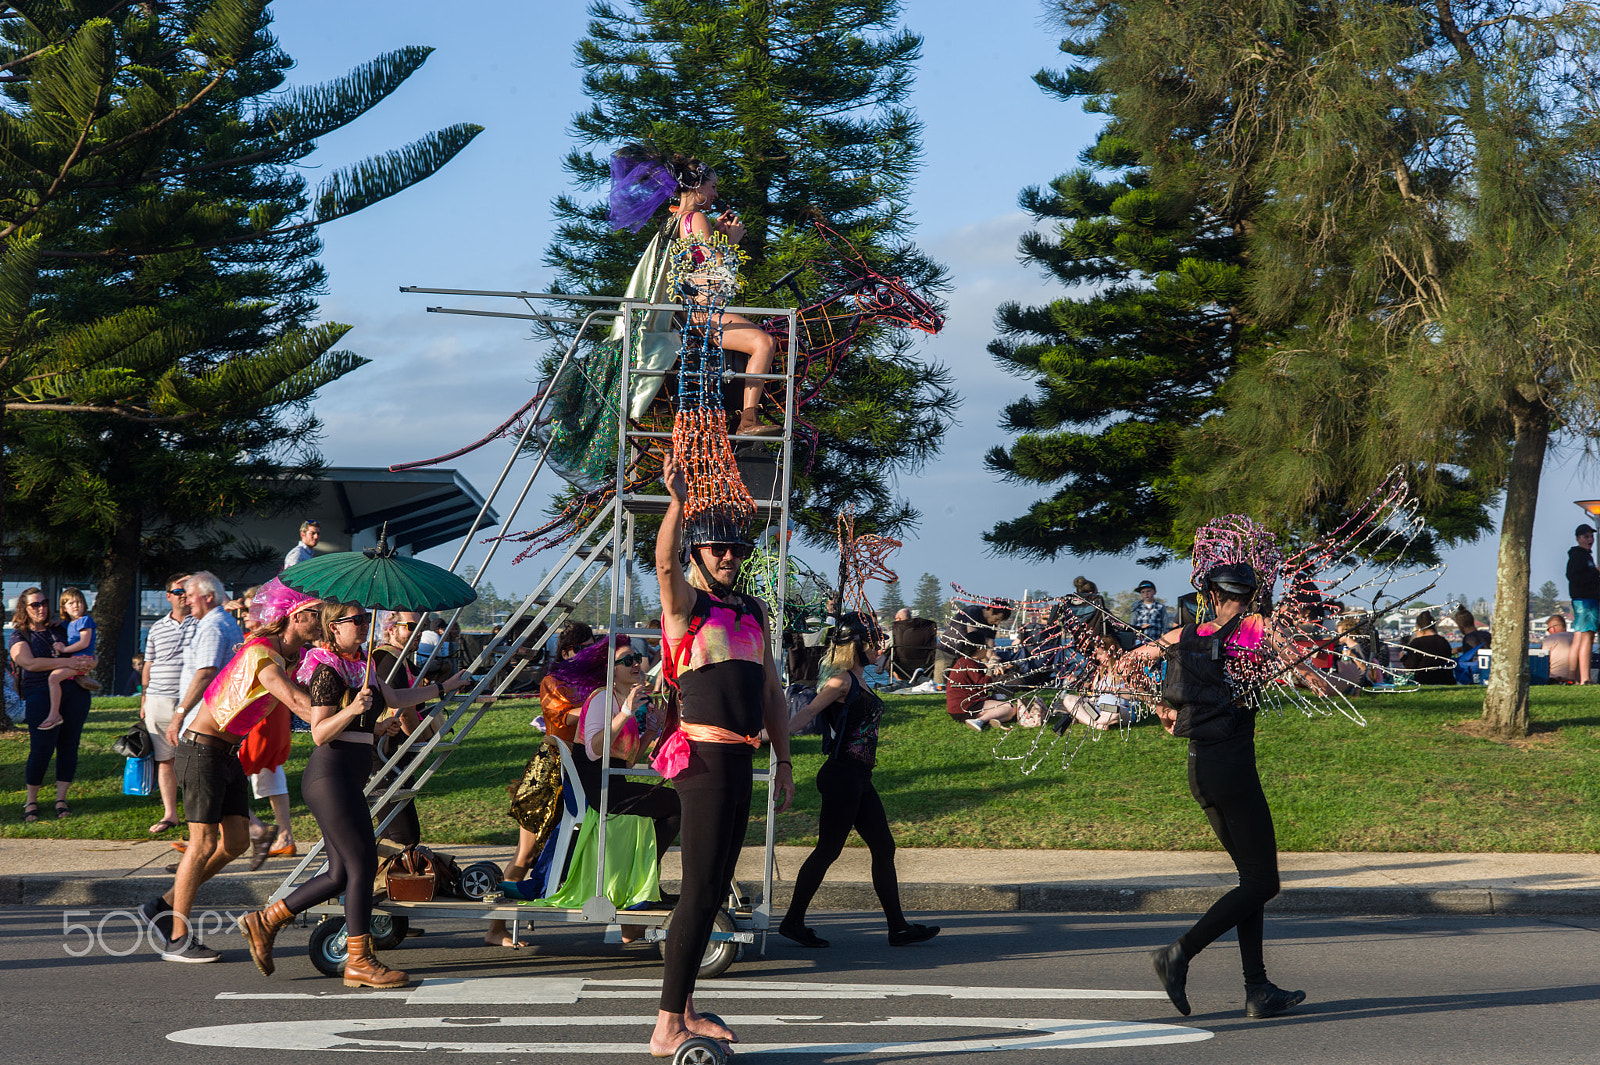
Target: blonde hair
{"type": "Point", "coordinates": [71, 594]}
{"type": "Point", "coordinates": [843, 657]}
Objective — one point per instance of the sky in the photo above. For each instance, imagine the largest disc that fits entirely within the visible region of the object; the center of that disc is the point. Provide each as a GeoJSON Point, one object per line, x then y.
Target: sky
{"type": "Point", "coordinates": [483, 222]}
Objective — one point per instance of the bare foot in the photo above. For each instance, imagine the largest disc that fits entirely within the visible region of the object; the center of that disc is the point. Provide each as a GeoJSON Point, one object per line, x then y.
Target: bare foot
{"type": "Point", "coordinates": [631, 932]}
{"type": "Point", "coordinates": [502, 939]}
{"type": "Point", "coordinates": [701, 1024]}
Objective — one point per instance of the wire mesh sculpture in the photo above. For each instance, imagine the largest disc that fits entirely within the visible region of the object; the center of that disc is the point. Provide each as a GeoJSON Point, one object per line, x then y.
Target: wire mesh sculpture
{"type": "Point", "coordinates": [1333, 591]}
{"type": "Point", "coordinates": [862, 558]}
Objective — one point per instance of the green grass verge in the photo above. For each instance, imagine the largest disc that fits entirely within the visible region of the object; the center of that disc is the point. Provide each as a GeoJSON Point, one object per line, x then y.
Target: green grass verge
{"type": "Point", "coordinates": [1412, 780]}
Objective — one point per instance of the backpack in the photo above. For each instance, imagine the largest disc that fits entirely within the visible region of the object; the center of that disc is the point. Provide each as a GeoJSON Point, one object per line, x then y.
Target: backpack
{"type": "Point", "coordinates": [1196, 684]}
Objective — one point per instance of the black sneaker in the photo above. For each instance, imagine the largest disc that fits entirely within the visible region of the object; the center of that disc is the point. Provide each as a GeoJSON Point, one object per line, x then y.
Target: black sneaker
{"type": "Point", "coordinates": [1268, 999]}
{"type": "Point", "coordinates": [189, 949]}
{"type": "Point", "coordinates": [917, 933]}
{"type": "Point", "coordinates": [802, 935]}
{"type": "Point", "coordinates": [158, 915]}
{"type": "Point", "coordinates": [1172, 968]}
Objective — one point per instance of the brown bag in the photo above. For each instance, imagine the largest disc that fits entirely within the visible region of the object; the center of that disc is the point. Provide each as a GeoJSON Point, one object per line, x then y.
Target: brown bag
{"type": "Point", "coordinates": [411, 875]}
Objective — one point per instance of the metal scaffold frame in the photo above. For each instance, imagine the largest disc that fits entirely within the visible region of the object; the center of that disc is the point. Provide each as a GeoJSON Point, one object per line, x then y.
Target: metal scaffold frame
{"type": "Point", "coordinates": [592, 555]}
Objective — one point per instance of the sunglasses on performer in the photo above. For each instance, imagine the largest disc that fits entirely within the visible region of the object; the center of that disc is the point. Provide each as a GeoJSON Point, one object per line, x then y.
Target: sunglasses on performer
{"type": "Point", "coordinates": [360, 621]}
{"type": "Point", "coordinates": [734, 550]}
{"type": "Point", "coordinates": [631, 659]}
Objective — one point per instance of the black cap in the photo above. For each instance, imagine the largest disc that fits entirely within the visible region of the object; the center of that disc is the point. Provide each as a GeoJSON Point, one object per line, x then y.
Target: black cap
{"type": "Point", "coordinates": [1236, 578]}
{"type": "Point", "coordinates": [1142, 585]}
{"type": "Point", "coordinates": [713, 527]}
{"type": "Point", "coordinates": [850, 628]}
{"type": "Point", "coordinates": [1584, 530]}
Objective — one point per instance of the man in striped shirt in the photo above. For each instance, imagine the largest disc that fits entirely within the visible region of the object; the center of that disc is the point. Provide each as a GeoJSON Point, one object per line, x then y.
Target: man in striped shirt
{"type": "Point", "coordinates": [163, 663]}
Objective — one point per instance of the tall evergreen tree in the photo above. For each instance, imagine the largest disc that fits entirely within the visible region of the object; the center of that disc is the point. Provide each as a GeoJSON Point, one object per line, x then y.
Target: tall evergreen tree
{"type": "Point", "coordinates": [801, 109]}
{"type": "Point", "coordinates": [1130, 376]}
{"type": "Point", "coordinates": [891, 601]}
{"type": "Point", "coordinates": [928, 602]}
{"type": "Point", "coordinates": [158, 281]}
{"type": "Point", "coordinates": [1431, 236]}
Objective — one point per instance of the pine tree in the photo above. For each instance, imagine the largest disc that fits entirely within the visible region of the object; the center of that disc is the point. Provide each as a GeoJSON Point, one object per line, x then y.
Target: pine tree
{"type": "Point", "coordinates": [929, 599]}
{"type": "Point", "coordinates": [890, 602]}
{"type": "Point", "coordinates": [1431, 235]}
{"type": "Point", "coordinates": [1547, 600]}
{"type": "Point", "coordinates": [801, 110]}
{"type": "Point", "coordinates": [158, 276]}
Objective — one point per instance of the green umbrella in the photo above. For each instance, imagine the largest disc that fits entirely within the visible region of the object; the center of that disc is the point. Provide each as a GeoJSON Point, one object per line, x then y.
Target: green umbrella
{"type": "Point", "coordinates": [377, 578]}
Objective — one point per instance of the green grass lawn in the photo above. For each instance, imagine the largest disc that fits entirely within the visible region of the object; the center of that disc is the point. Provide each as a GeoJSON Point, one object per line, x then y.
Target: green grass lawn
{"type": "Point", "coordinates": [1410, 781]}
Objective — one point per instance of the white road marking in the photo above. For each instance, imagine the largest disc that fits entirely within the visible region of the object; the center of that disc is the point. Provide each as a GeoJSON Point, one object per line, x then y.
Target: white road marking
{"type": "Point", "coordinates": [346, 1035]}
{"type": "Point", "coordinates": [531, 990]}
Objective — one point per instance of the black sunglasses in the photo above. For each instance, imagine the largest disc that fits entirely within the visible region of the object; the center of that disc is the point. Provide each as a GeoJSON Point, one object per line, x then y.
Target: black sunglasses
{"type": "Point", "coordinates": [174, 591]}
{"type": "Point", "coordinates": [41, 603]}
{"type": "Point", "coordinates": [359, 620]}
{"type": "Point", "coordinates": [633, 658]}
{"type": "Point", "coordinates": [735, 550]}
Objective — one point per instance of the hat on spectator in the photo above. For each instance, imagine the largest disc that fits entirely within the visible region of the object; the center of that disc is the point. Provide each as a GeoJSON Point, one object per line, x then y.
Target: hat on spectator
{"type": "Point", "coordinates": [1584, 530]}
{"type": "Point", "coordinates": [1142, 585]}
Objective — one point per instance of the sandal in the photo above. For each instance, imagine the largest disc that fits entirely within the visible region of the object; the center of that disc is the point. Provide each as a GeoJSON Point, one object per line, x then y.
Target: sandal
{"type": "Point", "coordinates": [163, 826]}
{"type": "Point", "coordinates": [30, 812]}
{"type": "Point", "coordinates": [63, 811]}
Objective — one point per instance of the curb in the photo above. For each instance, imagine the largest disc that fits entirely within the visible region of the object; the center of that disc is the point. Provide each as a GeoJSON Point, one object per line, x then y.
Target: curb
{"type": "Point", "coordinates": [1069, 898]}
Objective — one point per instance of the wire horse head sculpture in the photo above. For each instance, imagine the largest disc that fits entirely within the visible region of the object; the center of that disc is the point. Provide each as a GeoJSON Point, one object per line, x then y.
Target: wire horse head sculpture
{"type": "Point", "coordinates": [862, 558]}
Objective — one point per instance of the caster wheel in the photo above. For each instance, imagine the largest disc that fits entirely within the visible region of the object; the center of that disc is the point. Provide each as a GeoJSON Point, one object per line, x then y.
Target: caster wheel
{"type": "Point", "coordinates": [699, 1051]}
{"type": "Point", "coordinates": [720, 953]}
{"type": "Point", "coordinates": [479, 879]}
{"type": "Point", "coordinates": [388, 931]}
{"type": "Point", "coordinates": [329, 950]}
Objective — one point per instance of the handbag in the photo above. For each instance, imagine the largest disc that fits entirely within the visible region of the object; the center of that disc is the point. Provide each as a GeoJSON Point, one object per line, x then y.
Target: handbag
{"type": "Point", "coordinates": [411, 875]}
{"type": "Point", "coordinates": [135, 743]}
{"type": "Point", "coordinates": [138, 776]}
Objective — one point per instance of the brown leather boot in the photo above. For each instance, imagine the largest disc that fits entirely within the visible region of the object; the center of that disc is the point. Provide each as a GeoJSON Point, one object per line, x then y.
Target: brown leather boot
{"type": "Point", "coordinates": [260, 929]}
{"type": "Point", "coordinates": [363, 969]}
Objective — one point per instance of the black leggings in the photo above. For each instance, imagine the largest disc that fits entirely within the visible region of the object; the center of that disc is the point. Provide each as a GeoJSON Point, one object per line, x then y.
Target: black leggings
{"type": "Point", "coordinates": [61, 741]}
{"type": "Point", "coordinates": [714, 789]}
{"type": "Point", "coordinates": [1230, 794]}
{"type": "Point", "coordinates": [331, 786]}
{"type": "Point", "coordinates": [849, 801]}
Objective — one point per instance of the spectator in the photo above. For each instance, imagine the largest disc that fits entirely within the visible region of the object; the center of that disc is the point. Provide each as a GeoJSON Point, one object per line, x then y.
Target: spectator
{"type": "Point", "coordinates": [1149, 616]}
{"type": "Point", "coordinates": [1557, 643]}
{"type": "Point", "coordinates": [1583, 587]}
{"type": "Point", "coordinates": [1472, 637]}
{"type": "Point", "coordinates": [163, 665]}
{"type": "Point", "coordinates": [310, 533]}
{"type": "Point", "coordinates": [79, 641]}
{"type": "Point", "coordinates": [135, 686]}
{"type": "Point", "coordinates": [210, 646]}
{"type": "Point", "coordinates": [1427, 654]}
{"type": "Point", "coordinates": [912, 643]}
{"type": "Point", "coordinates": [967, 648]}
{"type": "Point", "coordinates": [33, 638]}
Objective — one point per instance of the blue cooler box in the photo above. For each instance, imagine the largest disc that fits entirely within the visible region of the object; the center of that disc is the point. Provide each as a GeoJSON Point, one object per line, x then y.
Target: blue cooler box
{"type": "Point", "coordinates": [1538, 667]}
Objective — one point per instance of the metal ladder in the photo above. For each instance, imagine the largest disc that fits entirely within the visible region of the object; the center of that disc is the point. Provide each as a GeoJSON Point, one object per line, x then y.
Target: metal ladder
{"type": "Point", "coordinates": [588, 558]}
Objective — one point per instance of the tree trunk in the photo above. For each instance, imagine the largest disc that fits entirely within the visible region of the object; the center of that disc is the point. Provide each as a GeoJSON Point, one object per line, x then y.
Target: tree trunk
{"type": "Point", "coordinates": [119, 572]}
{"type": "Point", "coordinates": [1505, 705]}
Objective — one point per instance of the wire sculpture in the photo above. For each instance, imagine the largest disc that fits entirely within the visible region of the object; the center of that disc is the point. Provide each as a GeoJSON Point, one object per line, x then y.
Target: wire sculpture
{"type": "Point", "coordinates": [862, 558]}
{"type": "Point", "coordinates": [1331, 594]}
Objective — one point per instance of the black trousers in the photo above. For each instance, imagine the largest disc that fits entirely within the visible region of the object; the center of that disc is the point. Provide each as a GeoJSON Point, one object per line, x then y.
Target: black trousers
{"type": "Point", "coordinates": [714, 789]}
{"type": "Point", "coordinates": [332, 787]}
{"type": "Point", "coordinates": [656, 801]}
{"type": "Point", "coordinates": [849, 801]}
{"type": "Point", "coordinates": [1229, 791]}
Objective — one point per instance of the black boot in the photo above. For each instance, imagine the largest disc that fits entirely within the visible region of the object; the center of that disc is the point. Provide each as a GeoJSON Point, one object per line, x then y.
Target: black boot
{"type": "Point", "coordinates": [1172, 968]}
{"type": "Point", "coordinates": [1268, 999]}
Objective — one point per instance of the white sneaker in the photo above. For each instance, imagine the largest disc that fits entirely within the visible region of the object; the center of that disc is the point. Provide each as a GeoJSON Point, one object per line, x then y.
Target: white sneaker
{"type": "Point", "coordinates": [973, 722]}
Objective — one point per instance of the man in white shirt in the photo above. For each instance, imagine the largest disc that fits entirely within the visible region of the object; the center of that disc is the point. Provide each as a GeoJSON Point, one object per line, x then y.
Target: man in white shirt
{"type": "Point", "coordinates": [310, 533]}
{"type": "Point", "coordinates": [163, 668]}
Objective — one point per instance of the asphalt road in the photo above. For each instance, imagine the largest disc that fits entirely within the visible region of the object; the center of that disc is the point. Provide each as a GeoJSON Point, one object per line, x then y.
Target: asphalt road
{"type": "Point", "coordinates": [1036, 988]}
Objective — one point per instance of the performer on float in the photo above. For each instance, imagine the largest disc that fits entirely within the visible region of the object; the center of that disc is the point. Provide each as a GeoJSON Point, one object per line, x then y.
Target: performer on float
{"type": "Point", "coordinates": [641, 182]}
{"type": "Point", "coordinates": [1209, 700]}
{"type": "Point", "coordinates": [718, 646]}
